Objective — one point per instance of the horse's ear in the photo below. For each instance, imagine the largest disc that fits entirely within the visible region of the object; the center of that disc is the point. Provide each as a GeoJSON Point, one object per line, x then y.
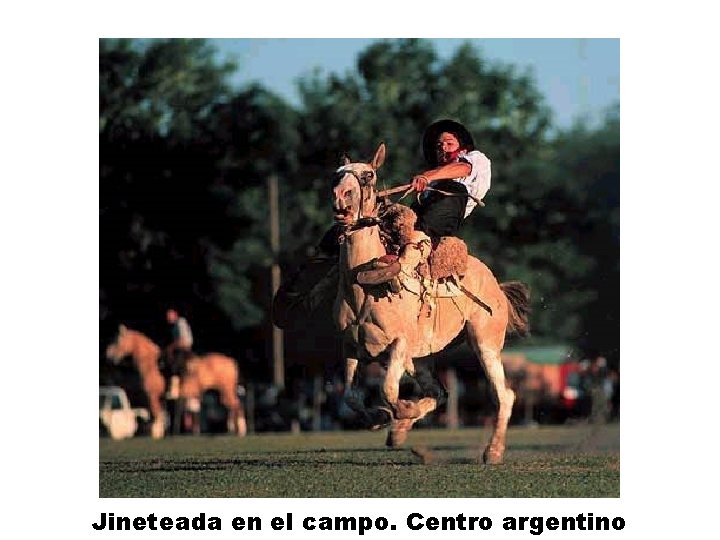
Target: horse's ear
{"type": "Point", "coordinates": [345, 160]}
{"type": "Point", "coordinates": [122, 329]}
{"type": "Point", "coordinates": [379, 158]}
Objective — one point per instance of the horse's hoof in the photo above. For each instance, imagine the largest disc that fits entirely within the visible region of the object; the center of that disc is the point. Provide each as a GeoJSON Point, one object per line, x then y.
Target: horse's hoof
{"type": "Point", "coordinates": [492, 457]}
{"type": "Point", "coordinates": [424, 453]}
{"type": "Point", "coordinates": [157, 431]}
{"type": "Point", "coordinates": [241, 427]}
{"type": "Point", "coordinates": [406, 409]}
{"type": "Point", "coordinates": [398, 433]}
{"type": "Point", "coordinates": [395, 438]}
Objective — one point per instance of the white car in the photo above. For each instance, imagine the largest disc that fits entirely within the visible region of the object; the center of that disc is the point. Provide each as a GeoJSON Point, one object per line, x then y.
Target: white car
{"type": "Point", "coordinates": [117, 417]}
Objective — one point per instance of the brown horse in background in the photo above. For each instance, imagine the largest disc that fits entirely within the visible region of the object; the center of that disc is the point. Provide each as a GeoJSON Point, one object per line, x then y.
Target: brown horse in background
{"type": "Point", "coordinates": [393, 327]}
{"type": "Point", "coordinates": [212, 371]}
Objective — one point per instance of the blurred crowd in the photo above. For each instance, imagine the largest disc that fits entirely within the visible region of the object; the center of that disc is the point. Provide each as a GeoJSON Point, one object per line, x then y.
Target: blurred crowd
{"type": "Point", "coordinates": [589, 392]}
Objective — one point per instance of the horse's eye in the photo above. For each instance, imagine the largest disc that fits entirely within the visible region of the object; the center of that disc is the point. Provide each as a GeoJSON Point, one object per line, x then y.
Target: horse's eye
{"type": "Point", "coordinates": [367, 176]}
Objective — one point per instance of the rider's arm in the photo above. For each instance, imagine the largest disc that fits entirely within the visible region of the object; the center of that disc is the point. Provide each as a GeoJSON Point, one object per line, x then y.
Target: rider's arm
{"type": "Point", "coordinates": [448, 171]}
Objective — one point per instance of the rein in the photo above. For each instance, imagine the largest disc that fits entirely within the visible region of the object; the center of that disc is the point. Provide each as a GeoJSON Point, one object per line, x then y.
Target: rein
{"type": "Point", "coordinates": [363, 222]}
{"type": "Point", "coordinates": [407, 188]}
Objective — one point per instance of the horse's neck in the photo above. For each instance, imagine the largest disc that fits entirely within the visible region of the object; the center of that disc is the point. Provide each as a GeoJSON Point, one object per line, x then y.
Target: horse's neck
{"type": "Point", "coordinates": [145, 354]}
{"type": "Point", "coordinates": [359, 248]}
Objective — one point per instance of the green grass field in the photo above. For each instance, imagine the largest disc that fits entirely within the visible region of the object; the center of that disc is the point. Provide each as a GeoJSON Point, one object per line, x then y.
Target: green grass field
{"type": "Point", "coordinates": [581, 461]}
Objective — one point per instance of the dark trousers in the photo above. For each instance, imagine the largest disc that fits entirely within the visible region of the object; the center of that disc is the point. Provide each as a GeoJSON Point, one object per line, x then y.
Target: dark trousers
{"type": "Point", "coordinates": [441, 215]}
{"type": "Point", "coordinates": [178, 361]}
{"type": "Point", "coordinates": [424, 383]}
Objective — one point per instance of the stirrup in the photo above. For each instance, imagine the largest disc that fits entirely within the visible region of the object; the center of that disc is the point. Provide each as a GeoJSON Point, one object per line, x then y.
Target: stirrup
{"type": "Point", "coordinates": [381, 273]}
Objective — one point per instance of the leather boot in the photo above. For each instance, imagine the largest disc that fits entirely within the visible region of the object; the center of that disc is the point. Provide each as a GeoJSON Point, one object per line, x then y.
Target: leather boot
{"type": "Point", "coordinates": [380, 272]}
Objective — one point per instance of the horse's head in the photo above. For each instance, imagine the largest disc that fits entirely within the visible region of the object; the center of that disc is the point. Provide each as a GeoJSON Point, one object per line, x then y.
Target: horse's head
{"type": "Point", "coordinates": [354, 189]}
{"type": "Point", "coordinates": [121, 347]}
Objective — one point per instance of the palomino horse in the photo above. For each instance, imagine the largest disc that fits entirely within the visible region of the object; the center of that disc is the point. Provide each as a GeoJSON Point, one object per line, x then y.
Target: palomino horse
{"type": "Point", "coordinates": [208, 372]}
{"type": "Point", "coordinates": [378, 325]}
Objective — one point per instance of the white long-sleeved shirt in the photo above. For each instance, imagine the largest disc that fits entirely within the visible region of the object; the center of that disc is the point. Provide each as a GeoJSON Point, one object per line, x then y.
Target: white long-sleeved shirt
{"type": "Point", "coordinates": [477, 182]}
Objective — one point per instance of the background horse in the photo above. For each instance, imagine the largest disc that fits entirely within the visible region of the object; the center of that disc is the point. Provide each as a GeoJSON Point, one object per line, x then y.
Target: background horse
{"type": "Point", "coordinates": [376, 324]}
{"type": "Point", "coordinates": [208, 372]}
{"type": "Point", "coordinates": [146, 356]}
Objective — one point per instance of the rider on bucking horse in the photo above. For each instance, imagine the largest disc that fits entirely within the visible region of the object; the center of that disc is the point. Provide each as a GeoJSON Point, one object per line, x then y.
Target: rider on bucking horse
{"type": "Point", "coordinates": [448, 192]}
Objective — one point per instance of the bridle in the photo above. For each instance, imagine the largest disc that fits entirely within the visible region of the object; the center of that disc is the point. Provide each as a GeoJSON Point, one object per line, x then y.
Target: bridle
{"type": "Point", "coordinates": [367, 189]}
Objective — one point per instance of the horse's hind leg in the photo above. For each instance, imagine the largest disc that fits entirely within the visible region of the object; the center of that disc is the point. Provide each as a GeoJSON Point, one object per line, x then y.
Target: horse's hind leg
{"type": "Point", "coordinates": [240, 421]}
{"type": "Point", "coordinates": [157, 429]}
{"type": "Point", "coordinates": [236, 413]}
{"type": "Point", "coordinates": [488, 351]}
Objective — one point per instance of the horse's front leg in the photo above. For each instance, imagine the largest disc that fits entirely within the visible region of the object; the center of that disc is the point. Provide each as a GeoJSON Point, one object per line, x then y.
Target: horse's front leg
{"type": "Point", "coordinates": [398, 363]}
{"type": "Point", "coordinates": [432, 392]}
{"type": "Point", "coordinates": [352, 395]}
{"type": "Point", "coordinates": [405, 412]}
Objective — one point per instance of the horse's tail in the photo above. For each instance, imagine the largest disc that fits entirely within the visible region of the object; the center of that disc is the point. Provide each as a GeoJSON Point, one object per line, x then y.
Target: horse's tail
{"type": "Point", "coordinates": [518, 297]}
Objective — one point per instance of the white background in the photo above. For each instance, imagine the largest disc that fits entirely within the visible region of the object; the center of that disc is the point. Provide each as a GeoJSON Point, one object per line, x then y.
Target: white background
{"type": "Point", "coordinates": [50, 238]}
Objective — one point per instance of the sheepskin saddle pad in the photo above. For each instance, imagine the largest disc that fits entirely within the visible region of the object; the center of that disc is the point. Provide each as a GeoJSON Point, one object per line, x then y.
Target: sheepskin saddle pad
{"type": "Point", "coordinates": [449, 258]}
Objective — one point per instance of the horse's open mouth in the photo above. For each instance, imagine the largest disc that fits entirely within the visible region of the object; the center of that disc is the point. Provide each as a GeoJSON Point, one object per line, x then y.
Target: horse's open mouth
{"type": "Point", "coordinates": [344, 215]}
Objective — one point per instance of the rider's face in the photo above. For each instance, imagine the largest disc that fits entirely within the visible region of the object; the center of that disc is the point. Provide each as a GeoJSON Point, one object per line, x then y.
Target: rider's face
{"type": "Point", "coordinates": [447, 143]}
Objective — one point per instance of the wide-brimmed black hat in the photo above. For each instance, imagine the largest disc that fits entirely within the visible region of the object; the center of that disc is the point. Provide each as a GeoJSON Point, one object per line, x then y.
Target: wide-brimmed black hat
{"type": "Point", "coordinates": [434, 130]}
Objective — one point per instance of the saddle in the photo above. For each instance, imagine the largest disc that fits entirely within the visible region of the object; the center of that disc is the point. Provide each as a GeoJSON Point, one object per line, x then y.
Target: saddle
{"type": "Point", "coordinates": [437, 277]}
{"type": "Point", "coordinates": [447, 259]}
